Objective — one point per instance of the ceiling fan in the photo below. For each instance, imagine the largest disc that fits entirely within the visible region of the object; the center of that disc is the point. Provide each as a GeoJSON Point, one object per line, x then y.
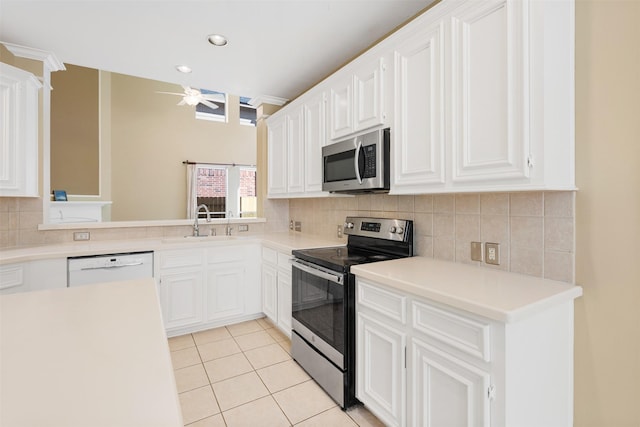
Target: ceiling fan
{"type": "Point", "coordinates": [193, 97]}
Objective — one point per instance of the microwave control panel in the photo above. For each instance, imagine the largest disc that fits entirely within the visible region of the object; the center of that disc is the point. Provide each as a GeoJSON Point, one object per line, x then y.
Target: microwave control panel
{"type": "Point", "coordinates": [369, 161]}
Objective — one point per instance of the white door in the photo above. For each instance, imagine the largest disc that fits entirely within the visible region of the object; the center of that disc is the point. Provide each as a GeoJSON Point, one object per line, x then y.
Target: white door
{"type": "Point", "coordinates": [369, 96]}
{"type": "Point", "coordinates": [225, 290]}
{"type": "Point", "coordinates": [315, 138]}
{"type": "Point", "coordinates": [284, 301]}
{"type": "Point", "coordinates": [269, 292]}
{"type": "Point", "coordinates": [277, 157]}
{"type": "Point", "coordinates": [181, 297]}
{"type": "Point", "coordinates": [295, 155]}
{"type": "Point", "coordinates": [418, 134]}
{"type": "Point", "coordinates": [489, 91]}
{"type": "Point", "coordinates": [444, 390]}
{"type": "Point", "coordinates": [380, 365]}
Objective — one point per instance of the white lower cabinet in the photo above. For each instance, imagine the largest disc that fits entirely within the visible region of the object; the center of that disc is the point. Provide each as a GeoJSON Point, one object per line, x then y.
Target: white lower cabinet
{"type": "Point", "coordinates": [380, 377]}
{"type": "Point", "coordinates": [33, 276]}
{"type": "Point", "coordinates": [204, 288]}
{"type": "Point", "coordinates": [276, 288]}
{"type": "Point", "coordinates": [421, 363]}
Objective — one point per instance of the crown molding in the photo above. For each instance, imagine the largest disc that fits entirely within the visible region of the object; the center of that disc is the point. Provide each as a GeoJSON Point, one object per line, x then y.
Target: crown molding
{"type": "Point", "coordinates": [49, 60]}
{"type": "Point", "coordinates": [266, 99]}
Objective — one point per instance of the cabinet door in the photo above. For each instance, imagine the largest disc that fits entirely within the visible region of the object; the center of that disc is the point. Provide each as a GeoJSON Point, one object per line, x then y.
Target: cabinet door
{"type": "Point", "coordinates": [369, 96]}
{"type": "Point", "coordinates": [269, 292]}
{"type": "Point", "coordinates": [295, 152]}
{"type": "Point", "coordinates": [418, 155]}
{"type": "Point", "coordinates": [445, 391]}
{"type": "Point", "coordinates": [277, 157]}
{"type": "Point", "coordinates": [490, 91]}
{"type": "Point", "coordinates": [181, 297]}
{"type": "Point", "coordinates": [225, 290]}
{"type": "Point", "coordinates": [18, 132]}
{"type": "Point", "coordinates": [380, 376]}
{"type": "Point", "coordinates": [284, 301]}
{"type": "Point", "coordinates": [315, 138]}
{"type": "Point", "coordinates": [341, 108]}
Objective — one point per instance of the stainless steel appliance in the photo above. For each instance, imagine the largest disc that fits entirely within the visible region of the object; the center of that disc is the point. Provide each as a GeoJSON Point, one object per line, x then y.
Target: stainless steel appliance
{"type": "Point", "coordinates": [357, 165]}
{"type": "Point", "coordinates": [323, 300]}
{"type": "Point", "coordinates": [87, 270]}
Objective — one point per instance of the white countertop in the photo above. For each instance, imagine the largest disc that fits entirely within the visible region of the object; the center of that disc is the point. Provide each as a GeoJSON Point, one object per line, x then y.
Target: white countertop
{"type": "Point", "coordinates": [498, 295]}
{"type": "Point", "coordinates": [285, 241]}
{"type": "Point", "coordinates": [87, 356]}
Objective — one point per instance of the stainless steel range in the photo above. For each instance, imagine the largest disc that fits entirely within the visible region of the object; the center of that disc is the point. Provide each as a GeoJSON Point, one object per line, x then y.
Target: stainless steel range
{"type": "Point", "coordinates": [323, 338]}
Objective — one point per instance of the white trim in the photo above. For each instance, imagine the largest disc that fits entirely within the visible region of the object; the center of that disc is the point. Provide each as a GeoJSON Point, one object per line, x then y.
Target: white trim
{"type": "Point", "coordinates": [266, 99]}
{"type": "Point", "coordinates": [49, 60]}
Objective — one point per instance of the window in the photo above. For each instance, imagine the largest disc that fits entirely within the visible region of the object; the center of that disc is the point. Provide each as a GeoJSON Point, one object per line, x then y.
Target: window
{"type": "Point", "coordinates": [247, 112]}
{"type": "Point", "coordinates": [219, 114]}
{"type": "Point", "coordinates": [226, 190]}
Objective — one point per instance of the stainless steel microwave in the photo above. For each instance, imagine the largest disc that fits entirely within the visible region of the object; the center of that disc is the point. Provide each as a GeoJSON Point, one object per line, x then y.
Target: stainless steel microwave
{"type": "Point", "coordinates": [358, 164]}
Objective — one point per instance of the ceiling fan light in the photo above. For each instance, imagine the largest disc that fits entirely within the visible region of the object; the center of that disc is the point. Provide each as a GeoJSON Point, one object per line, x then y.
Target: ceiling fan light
{"type": "Point", "coordinates": [183, 69]}
{"type": "Point", "coordinates": [191, 99]}
{"type": "Point", "coordinates": [217, 39]}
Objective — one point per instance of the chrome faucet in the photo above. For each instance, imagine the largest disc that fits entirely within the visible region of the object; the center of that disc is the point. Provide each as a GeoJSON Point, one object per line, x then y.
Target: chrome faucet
{"type": "Point", "coordinates": [228, 228]}
{"type": "Point", "coordinates": [196, 227]}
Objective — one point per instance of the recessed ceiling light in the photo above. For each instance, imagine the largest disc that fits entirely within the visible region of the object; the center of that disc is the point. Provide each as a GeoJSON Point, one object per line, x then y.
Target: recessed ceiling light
{"type": "Point", "coordinates": [183, 69]}
{"type": "Point", "coordinates": [217, 39]}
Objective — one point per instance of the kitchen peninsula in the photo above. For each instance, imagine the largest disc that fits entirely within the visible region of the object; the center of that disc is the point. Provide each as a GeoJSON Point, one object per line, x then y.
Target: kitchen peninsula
{"type": "Point", "coordinates": [78, 358]}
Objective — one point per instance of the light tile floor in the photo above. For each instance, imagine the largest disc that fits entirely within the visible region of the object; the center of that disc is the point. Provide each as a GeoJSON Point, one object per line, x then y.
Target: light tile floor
{"type": "Point", "coordinates": [243, 375]}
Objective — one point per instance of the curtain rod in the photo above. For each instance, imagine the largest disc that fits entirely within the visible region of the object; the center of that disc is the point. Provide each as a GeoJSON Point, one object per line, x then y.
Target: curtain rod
{"type": "Point", "coordinates": [187, 162]}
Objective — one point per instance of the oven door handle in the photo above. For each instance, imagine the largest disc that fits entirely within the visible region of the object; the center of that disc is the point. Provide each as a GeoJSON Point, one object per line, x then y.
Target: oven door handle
{"type": "Point", "coordinates": [336, 278]}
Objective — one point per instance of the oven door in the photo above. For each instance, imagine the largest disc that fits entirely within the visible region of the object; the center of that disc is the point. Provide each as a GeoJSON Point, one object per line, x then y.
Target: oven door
{"type": "Point", "coordinates": [318, 309]}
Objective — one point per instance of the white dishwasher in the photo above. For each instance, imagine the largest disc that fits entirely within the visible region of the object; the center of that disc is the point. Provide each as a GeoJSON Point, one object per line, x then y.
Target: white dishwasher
{"type": "Point", "coordinates": [87, 270]}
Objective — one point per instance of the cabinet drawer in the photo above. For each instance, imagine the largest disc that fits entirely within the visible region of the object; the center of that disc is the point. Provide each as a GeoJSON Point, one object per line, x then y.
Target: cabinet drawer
{"type": "Point", "coordinates": [180, 258]}
{"type": "Point", "coordinates": [385, 302]}
{"type": "Point", "coordinates": [468, 335]}
{"type": "Point", "coordinates": [284, 260]}
{"type": "Point", "coordinates": [12, 276]}
{"type": "Point", "coordinates": [226, 254]}
{"type": "Point", "coordinates": [269, 255]}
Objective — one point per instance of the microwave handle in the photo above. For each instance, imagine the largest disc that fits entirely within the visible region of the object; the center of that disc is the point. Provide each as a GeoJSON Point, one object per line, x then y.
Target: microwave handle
{"type": "Point", "coordinates": [356, 159]}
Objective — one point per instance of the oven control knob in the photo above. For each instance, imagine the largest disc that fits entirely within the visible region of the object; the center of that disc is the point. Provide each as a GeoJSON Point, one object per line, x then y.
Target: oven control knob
{"type": "Point", "coordinates": [399, 230]}
{"type": "Point", "coordinates": [392, 229]}
{"type": "Point", "coordinates": [348, 225]}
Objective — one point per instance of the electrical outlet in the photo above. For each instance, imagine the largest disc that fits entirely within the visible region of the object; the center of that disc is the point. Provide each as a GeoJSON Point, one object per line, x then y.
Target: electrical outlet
{"type": "Point", "coordinates": [291, 225]}
{"type": "Point", "coordinates": [81, 235]}
{"type": "Point", "coordinates": [339, 232]}
{"type": "Point", "coordinates": [492, 253]}
{"type": "Point", "coordinates": [298, 226]}
{"type": "Point", "coordinates": [476, 251]}
{"type": "Point", "coordinates": [243, 227]}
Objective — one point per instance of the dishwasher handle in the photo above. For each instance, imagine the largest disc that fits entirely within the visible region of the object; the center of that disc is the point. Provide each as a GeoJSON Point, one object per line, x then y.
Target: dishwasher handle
{"type": "Point", "coordinates": [107, 267]}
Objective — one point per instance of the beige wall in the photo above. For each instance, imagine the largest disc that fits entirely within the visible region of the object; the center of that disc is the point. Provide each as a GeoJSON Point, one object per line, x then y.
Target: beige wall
{"type": "Point", "coordinates": [607, 345]}
{"type": "Point", "coordinates": [75, 131]}
{"type": "Point", "coordinates": [150, 138]}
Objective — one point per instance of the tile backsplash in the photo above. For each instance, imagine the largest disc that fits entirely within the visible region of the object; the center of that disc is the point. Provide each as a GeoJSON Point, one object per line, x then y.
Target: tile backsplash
{"type": "Point", "coordinates": [535, 230]}
{"type": "Point", "coordinates": [20, 217]}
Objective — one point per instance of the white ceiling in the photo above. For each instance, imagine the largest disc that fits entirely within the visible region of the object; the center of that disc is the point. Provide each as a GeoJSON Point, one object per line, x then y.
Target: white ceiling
{"type": "Point", "coordinates": [276, 48]}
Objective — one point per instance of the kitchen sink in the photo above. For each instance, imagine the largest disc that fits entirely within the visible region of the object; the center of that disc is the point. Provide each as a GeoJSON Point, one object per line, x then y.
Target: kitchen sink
{"type": "Point", "coordinates": [192, 239]}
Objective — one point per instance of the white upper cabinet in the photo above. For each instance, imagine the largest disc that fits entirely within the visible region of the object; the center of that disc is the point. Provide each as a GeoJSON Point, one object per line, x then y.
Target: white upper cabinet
{"type": "Point", "coordinates": [489, 91]}
{"type": "Point", "coordinates": [295, 152]}
{"type": "Point", "coordinates": [277, 152]}
{"type": "Point", "coordinates": [18, 132]}
{"type": "Point", "coordinates": [418, 131]}
{"type": "Point", "coordinates": [356, 100]}
{"type": "Point", "coordinates": [315, 136]}
{"type": "Point", "coordinates": [493, 89]}
{"type": "Point", "coordinates": [479, 96]}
